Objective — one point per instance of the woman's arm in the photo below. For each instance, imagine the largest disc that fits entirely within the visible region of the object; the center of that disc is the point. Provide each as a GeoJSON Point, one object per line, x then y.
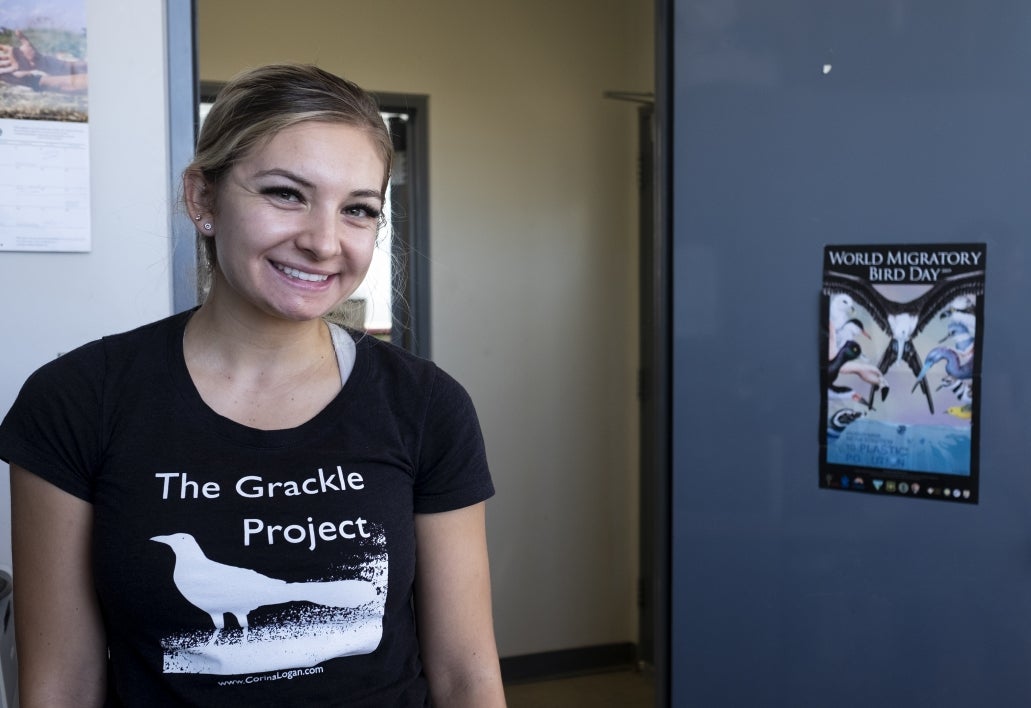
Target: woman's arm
{"type": "Point", "coordinates": [453, 609]}
{"type": "Point", "coordinates": [62, 651]}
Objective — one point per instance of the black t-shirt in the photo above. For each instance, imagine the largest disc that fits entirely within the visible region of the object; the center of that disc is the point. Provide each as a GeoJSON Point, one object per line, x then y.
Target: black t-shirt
{"type": "Point", "coordinates": [237, 566]}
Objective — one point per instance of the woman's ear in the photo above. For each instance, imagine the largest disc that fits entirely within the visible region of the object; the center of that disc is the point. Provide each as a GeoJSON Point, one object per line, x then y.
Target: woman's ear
{"type": "Point", "coordinates": [197, 196]}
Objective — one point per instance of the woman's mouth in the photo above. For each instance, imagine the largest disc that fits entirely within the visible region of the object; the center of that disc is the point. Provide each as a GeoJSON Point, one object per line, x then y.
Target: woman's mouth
{"type": "Point", "coordinates": [300, 274]}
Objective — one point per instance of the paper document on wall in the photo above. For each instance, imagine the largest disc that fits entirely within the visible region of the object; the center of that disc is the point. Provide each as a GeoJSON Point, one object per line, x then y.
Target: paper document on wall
{"type": "Point", "coordinates": [44, 126]}
{"type": "Point", "coordinates": [44, 186]}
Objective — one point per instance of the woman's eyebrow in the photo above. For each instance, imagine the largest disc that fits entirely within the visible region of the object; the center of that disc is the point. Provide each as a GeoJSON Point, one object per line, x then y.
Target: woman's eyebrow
{"type": "Point", "coordinates": [375, 193]}
{"type": "Point", "coordinates": [280, 172]}
{"type": "Point", "coordinates": [294, 177]}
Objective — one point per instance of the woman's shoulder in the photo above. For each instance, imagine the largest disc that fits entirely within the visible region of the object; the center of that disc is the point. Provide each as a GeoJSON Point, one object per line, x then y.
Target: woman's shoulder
{"type": "Point", "coordinates": [388, 356]}
{"type": "Point", "coordinates": [93, 358]}
{"type": "Point", "coordinates": [159, 330]}
{"type": "Point", "coordinates": [409, 375]}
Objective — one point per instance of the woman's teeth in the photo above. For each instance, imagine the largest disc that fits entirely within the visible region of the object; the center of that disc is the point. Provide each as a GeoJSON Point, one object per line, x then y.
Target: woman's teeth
{"type": "Point", "coordinates": [301, 275]}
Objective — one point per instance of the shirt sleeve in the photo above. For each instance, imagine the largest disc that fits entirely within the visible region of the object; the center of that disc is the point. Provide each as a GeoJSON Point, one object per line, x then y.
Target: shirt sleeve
{"type": "Point", "coordinates": [54, 428]}
{"type": "Point", "coordinates": [452, 470]}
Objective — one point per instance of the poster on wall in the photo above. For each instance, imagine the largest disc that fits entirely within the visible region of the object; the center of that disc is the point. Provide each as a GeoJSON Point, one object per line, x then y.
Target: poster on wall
{"type": "Point", "coordinates": [44, 130]}
{"type": "Point", "coordinates": [900, 356]}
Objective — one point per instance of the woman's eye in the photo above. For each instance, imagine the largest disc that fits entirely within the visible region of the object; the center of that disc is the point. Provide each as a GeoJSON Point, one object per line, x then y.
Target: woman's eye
{"type": "Point", "coordinates": [282, 193]}
{"type": "Point", "coordinates": [363, 211]}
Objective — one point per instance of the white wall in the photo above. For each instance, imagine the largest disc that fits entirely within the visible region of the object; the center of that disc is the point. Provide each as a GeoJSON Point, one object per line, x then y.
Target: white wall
{"type": "Point", "coordinates": [533, 275]}
{"type": "Point", "coordinates": [51, 302]}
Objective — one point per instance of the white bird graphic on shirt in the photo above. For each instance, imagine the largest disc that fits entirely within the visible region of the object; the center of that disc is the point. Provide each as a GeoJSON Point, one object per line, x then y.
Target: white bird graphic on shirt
{"type": "Point", "coordinates": [217, 588]}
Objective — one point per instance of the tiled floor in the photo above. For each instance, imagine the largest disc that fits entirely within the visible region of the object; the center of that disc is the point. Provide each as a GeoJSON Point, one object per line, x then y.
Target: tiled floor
{"type": "Point", "coordinates": [614, 689]}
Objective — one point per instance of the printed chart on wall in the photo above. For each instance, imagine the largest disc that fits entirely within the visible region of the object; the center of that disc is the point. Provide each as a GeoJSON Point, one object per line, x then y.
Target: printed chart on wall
{"type": "Point", "coordinates": [901, 365]}
{"type": "Point", "coordinates": [44, 133]}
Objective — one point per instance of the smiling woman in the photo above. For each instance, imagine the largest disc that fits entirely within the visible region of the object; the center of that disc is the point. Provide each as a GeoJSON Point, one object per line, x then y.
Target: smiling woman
{"type": "Point", "coordinates": [392, 302]}
{"type": "Point", "coordinates": [146, 433]}
{"type": "Point", "coordinates": [293, 224]}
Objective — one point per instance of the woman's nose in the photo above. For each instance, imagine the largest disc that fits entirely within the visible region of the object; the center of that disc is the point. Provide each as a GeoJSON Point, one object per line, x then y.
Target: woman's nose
{"type": "Point", "coordinates": [320, 237]}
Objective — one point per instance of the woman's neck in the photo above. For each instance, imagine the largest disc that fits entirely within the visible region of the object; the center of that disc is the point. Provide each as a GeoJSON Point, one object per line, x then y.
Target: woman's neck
{"type": "Point", "coordinates": [259, 370]}
{"type": "Point", "coordinates": [247, 337]}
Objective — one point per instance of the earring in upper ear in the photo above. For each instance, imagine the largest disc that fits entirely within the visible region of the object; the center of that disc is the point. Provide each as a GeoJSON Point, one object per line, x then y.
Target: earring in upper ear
{"type": "Point", "coordinates": [197, 218]}
{"type": "Point", "coordinates": [207, 227]}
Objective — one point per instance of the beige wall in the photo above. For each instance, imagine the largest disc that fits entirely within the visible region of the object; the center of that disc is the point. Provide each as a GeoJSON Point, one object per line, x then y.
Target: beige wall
{"type": "Point", "coordinates": [533, 276]}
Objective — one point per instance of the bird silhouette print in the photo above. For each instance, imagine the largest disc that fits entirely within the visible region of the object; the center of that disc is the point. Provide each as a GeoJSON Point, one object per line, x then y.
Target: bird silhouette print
{"type": "Point", "coordinates": [218, 589]}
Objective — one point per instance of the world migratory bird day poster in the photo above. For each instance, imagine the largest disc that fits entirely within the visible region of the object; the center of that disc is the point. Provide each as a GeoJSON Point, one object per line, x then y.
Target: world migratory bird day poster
{"type": "Point", "coordinates": [900, 370]}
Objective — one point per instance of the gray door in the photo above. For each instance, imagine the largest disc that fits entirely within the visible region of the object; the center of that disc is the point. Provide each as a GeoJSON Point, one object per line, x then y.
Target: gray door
{"type": "Point", "coordinates": [795, 124]}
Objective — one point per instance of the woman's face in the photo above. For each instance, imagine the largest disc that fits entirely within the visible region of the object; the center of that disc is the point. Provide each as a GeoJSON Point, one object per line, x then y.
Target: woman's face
{"type": "Point", "coordinates": [297, 221]}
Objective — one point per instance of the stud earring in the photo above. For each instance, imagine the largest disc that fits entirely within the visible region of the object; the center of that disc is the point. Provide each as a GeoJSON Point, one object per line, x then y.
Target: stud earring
{"type": "Point", "coordinates": [207, 227]}
{"type": "Point", "coordinates": [197, 218]}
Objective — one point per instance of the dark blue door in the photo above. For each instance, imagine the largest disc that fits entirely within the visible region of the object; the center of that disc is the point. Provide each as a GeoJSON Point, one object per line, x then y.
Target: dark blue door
{"type": "Point", "coordinates": [796, 124]}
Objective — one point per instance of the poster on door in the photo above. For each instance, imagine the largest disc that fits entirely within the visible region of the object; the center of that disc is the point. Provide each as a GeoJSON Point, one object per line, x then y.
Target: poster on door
{"type": "Point", "coordinates": [900, 371]}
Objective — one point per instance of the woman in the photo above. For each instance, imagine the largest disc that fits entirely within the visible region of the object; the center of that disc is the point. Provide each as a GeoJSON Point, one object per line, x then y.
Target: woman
{"type": "Point", "coordinates": [243, 504]}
